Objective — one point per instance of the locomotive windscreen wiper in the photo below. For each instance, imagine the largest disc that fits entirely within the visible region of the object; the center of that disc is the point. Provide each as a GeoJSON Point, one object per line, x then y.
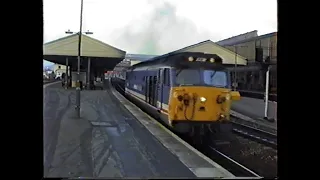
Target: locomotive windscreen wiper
{"type": "Point", "coordinates": [213, 74]}
{"type": "Point", "coordinates": [178, 72]}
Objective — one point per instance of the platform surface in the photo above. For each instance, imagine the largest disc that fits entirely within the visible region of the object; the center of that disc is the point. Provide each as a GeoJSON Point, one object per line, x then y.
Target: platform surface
{"type": "Point", "coordinates": [108, 141]}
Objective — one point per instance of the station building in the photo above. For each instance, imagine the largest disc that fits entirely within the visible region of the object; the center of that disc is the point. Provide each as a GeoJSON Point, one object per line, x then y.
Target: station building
{"type": "Point", "coordinates": [255, 49]}
{"type": "Point", "coordinates": [250, 46]}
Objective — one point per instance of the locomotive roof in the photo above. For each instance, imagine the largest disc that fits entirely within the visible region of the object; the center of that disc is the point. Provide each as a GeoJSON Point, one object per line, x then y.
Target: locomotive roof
{"type": "Point", "coordinates": [174, 59]}
{"type": "Point", "coordinates": [140, 57]}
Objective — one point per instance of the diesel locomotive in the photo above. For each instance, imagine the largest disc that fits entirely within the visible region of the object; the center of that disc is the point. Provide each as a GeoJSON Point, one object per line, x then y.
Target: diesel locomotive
{"type": "Point", "coordinates": [189, 91]}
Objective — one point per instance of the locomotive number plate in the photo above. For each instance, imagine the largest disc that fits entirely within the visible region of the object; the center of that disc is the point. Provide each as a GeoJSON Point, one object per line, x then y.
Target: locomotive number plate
{"type": "Point", "coordinates": [201, 59]}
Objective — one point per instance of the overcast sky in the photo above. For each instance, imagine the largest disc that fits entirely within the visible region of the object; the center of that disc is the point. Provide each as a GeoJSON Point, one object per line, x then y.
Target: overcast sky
{"type": "Point", "coordinates": [159, 26]}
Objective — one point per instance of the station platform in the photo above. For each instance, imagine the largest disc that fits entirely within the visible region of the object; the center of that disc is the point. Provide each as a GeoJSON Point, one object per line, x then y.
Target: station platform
{"type": "Point", "coordinates": [251, 109]}
{"type": "Point", "coordinates": [257, 95]}
{"type": "Point", "coordinates": [113, 138]}
{"type": "Point", "coordinates": [254, 108]}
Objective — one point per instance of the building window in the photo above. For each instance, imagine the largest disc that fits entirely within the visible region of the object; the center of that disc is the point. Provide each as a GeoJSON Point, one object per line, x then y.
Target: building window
{"type": "Point", "coordinates": [259, 54]}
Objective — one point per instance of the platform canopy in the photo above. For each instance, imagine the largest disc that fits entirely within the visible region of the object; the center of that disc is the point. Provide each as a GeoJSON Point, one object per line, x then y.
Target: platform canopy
{"type": "Point", "coordinates": [102, 55]}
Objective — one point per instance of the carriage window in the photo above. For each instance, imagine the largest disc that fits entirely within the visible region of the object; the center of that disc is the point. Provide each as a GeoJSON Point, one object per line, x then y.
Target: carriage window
{"type": "Point", "coordinates": [159, 77]}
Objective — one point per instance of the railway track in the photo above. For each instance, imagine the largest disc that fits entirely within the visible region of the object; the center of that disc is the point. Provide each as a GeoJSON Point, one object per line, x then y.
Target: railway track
{"type": "Point", "coordinates": [255, 134]}
{"type": "Point", "coordinates": [231, 165]}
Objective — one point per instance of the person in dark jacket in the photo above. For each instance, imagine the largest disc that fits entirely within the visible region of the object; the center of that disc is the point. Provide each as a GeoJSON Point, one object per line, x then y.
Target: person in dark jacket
{"type": "Point", "coordinates": [63, 80]}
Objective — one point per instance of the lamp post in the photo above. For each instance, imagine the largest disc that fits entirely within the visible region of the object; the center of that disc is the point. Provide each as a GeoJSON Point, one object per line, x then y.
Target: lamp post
{"type": "Point", "coordinates": [235, 68]}
{"type": "Point", "coordinates": [266, 106]}
{"type": "Point", "coordinates": [79, 57]}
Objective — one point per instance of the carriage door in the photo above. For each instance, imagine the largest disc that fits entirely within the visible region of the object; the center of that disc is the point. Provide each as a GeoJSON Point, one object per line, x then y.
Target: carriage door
{"type": "Point", "coordinates": [150, 91]}
{"type": "Point", "coordinates": [155, 91]}
{"type": "Point", "coordinates": [147, 88]}
{"type": "Point", "coordinates": [160, 88]}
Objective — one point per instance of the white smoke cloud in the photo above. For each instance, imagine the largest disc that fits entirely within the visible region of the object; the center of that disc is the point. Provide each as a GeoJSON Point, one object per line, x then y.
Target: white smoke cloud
{"type": "Point", "coordinates": [159, 32]}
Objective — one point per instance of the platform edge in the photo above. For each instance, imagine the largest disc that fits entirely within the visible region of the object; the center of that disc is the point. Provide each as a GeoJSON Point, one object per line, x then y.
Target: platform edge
{"type": "Point", "coordinates": [195, 171]}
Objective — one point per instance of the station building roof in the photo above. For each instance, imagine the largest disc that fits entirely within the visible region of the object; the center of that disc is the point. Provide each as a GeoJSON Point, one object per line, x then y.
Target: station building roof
{"type": "Point", "coordinates": [252, 39]}
{"type": "Point", "coordinates": [210, 47]}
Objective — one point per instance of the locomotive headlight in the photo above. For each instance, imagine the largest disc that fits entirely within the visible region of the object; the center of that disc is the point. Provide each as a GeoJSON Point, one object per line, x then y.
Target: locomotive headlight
{"type": "Point", "coordinates": [228, 97]}
{"type": "Point", "coordinates": [190, 58]}
{"type": "Point", "coordinates": [203, 99]}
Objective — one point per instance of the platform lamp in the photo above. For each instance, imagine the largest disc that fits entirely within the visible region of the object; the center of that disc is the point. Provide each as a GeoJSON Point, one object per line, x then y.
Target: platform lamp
{"type": "Point", "coordinates": [70, 32]}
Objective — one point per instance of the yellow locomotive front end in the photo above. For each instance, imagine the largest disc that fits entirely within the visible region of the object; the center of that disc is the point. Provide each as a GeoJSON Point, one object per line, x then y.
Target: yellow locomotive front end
{"type": "Point", "coordinates": [200, 104]}
{"type": "Point", "coordinates": [200, 97]}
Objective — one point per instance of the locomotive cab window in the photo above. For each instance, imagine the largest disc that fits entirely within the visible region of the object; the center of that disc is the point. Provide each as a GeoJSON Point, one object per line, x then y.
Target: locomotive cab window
{"type": "Point", "coordinates": [215, 78]}
{"type": "Point", "coordinates": [188, 77]}
{"type": "Point", "coordinates": [185, 77]}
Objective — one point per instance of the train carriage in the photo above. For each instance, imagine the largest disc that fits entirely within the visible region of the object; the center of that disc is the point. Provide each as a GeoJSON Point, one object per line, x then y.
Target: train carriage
{"type": "Point", "coordinates": [189, 91]}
